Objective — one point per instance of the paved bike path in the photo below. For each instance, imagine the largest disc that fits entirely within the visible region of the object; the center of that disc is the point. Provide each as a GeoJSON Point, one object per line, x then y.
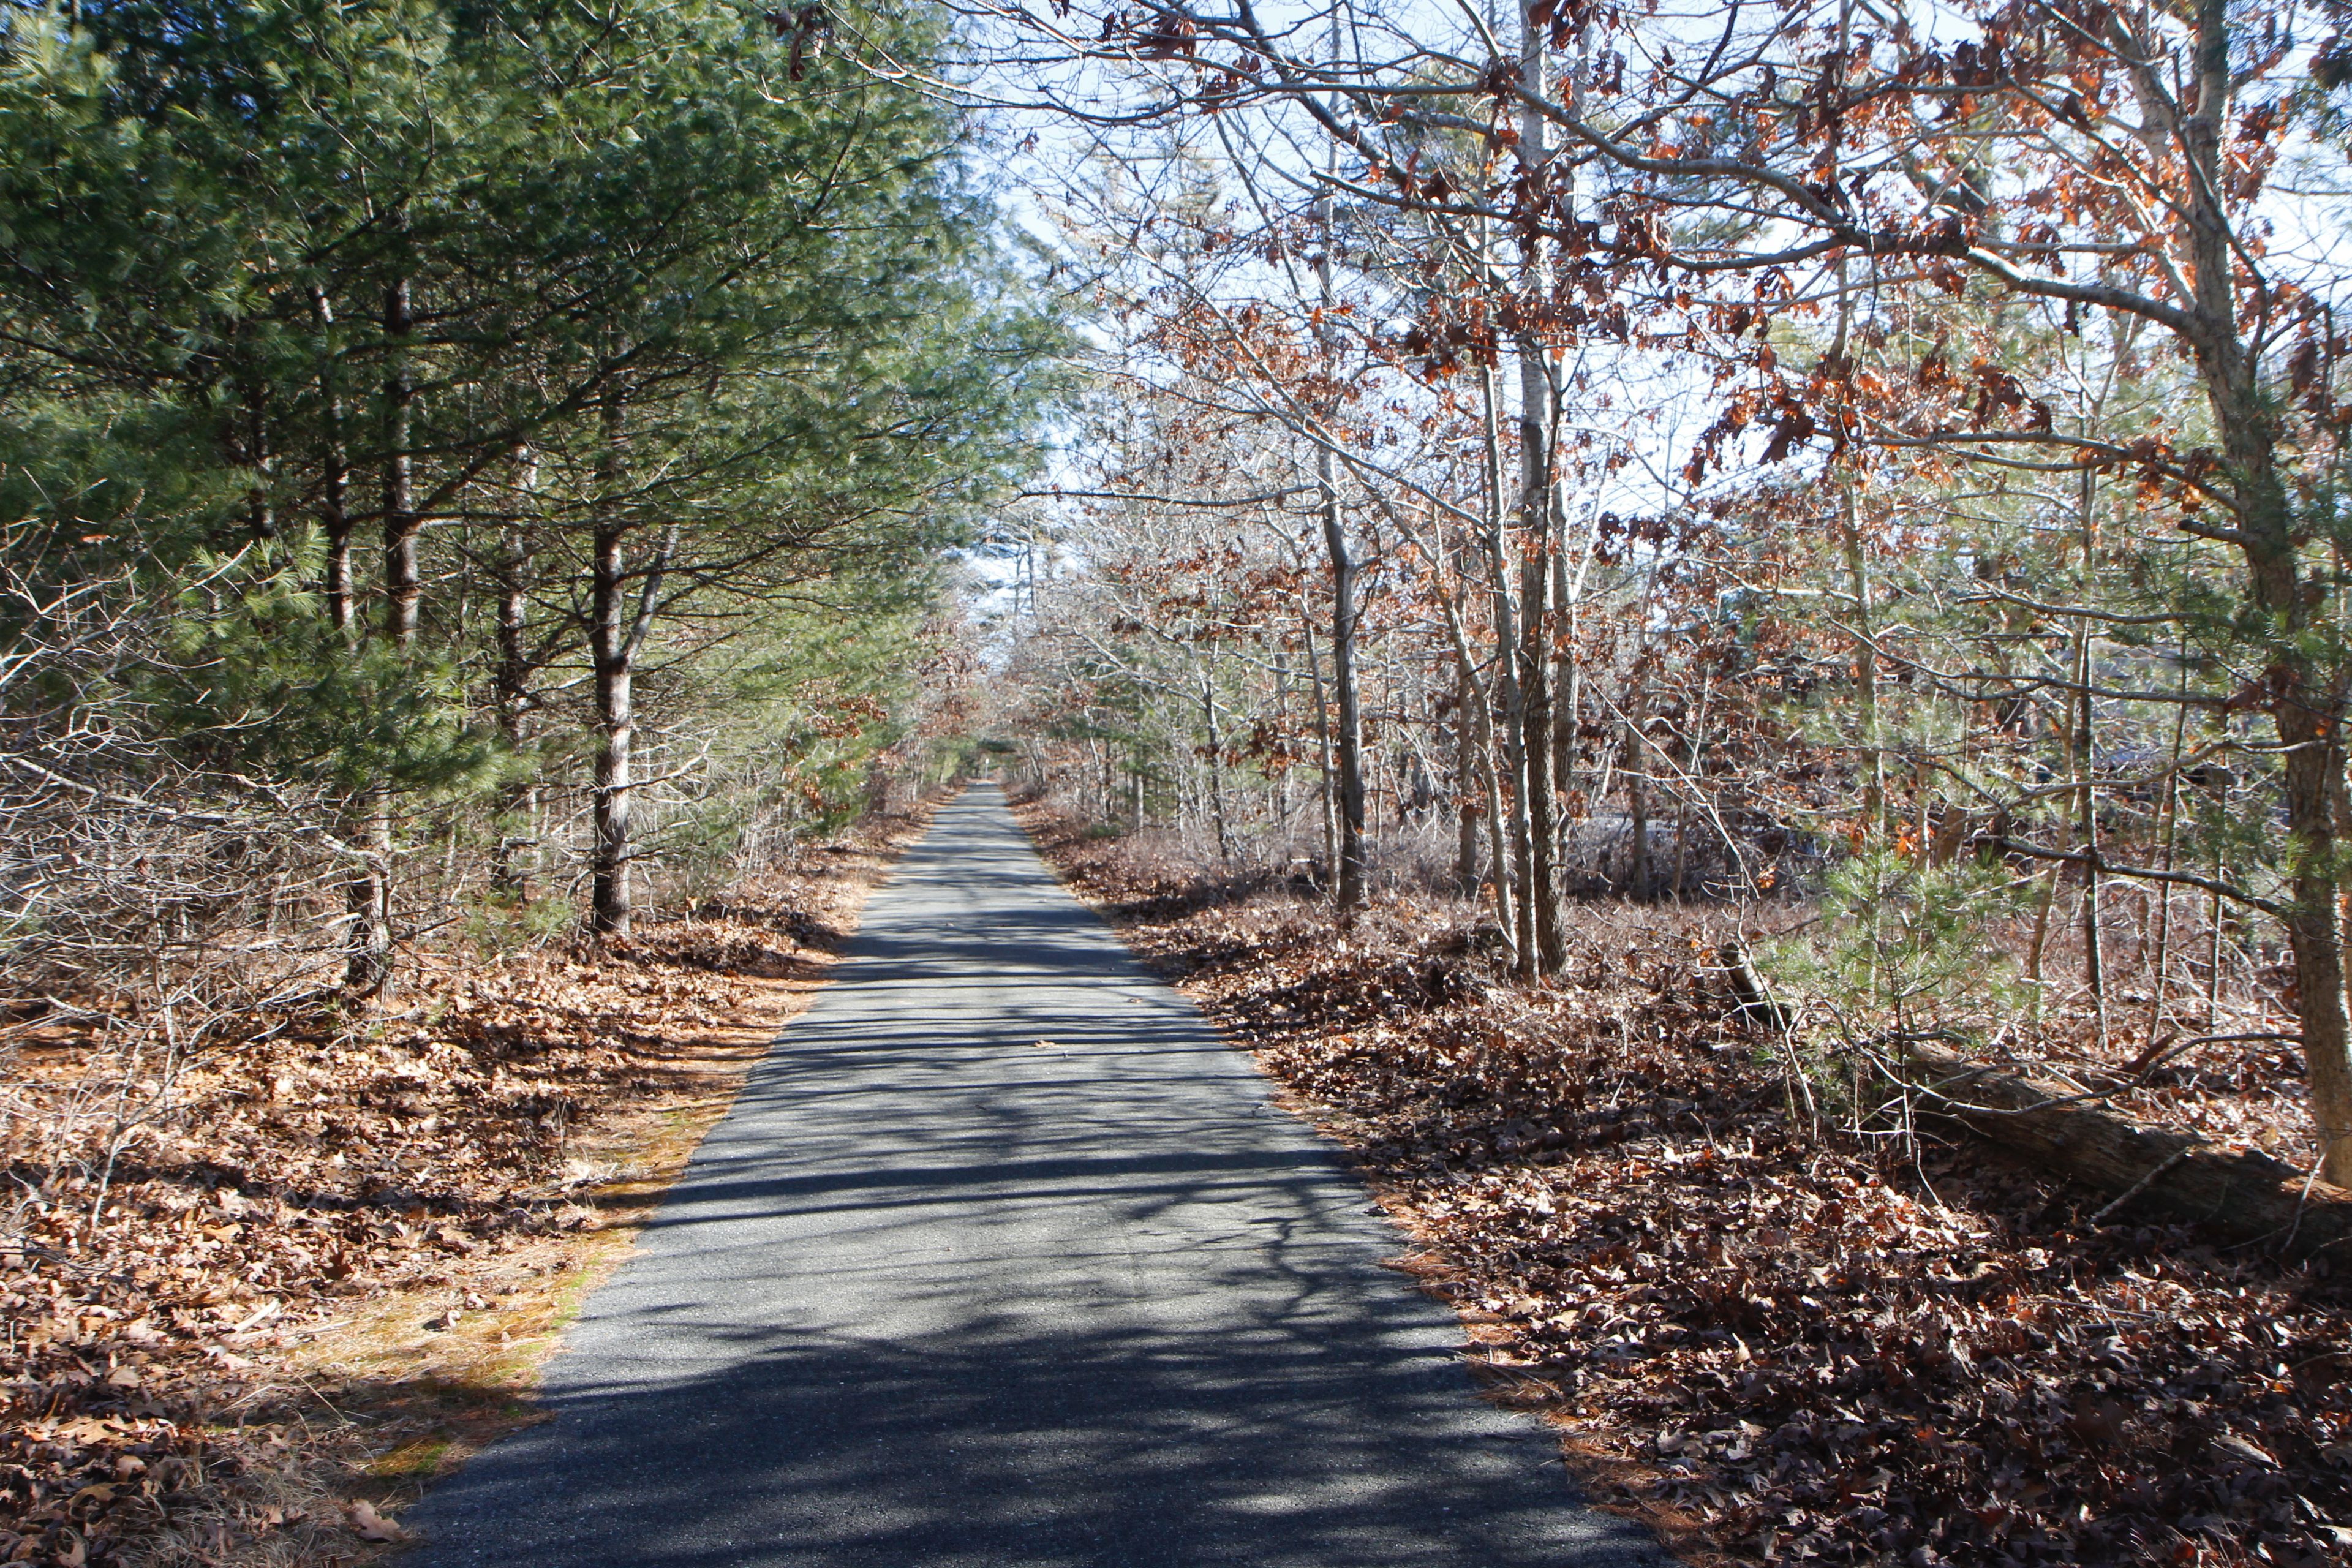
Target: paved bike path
{"type": "Point", "coordinates": [939, 1294]}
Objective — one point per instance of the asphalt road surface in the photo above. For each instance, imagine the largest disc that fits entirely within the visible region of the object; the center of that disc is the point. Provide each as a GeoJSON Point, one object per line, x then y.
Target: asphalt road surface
{"type": "Point", "coordinates": [1005, 1261]}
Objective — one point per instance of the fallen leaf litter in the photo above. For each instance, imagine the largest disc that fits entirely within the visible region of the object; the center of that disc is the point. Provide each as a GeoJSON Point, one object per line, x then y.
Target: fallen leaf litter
{"type": "Point", "coordinates": [297, 1309]}
{"type": "Point", "coordinates": [1771, 1349]}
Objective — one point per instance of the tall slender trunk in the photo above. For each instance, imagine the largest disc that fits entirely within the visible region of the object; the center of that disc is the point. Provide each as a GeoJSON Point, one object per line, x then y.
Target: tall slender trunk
{"type": "Point", "coordinates": [2310, 730]}
{"type": "Point", "coordinates": [1568, 697]}
{"type": "Point", "coordinates": [1282, 728]}
{"type": "Point", "coordinates": [1349, 718]}
{"type": "Point", "coordinates": [614, 640]}
{"type": "Point", "coordinates": [1465, 780]}
{"type": "Point", "coordinates": [2094, 967]}
{"type": "Point", "coordinates": [366, 895]}
{"type": "Point", "coordinates": [1534, 746]}
{"type": "Point", "coordinates": [2308, 715]}
{"type": "Point", "coordinates": [1865, 664]}
{"type": "Point", "coordinates": [1350, 883]}
{"type": "Point", "coordinates": [2307, 709]}
{"type": "Point", "coordinates": [334, 487]}
{"type": "Point", "coordinates": [610, 908]}
{"type": "Point", "coordinates": [335, 523]}
{"type": "Point", "coordinates": [2160, 966]}
{"type": "Point", "coordinates": [1481, 762]}
{"type": "Point", "coordinates": [261, 507]}
{"type": "Point", "coordinates": [368, 969]}
{"type": "Point", "coordinates": [1548, 952]}
{"type": "Point", "coordinates": [1216, 758]}
{"type": "Point", "coordinates": [1328, 775]}
{"type": "Point", "coordinates": [403, 590]}
{"type": "Point", "coordinates": [1637, 804]}
{"type": "Point", "coordinates": [1567, 590]}
{"type": "Point", "coordinates": [1515, 899]}
{"type": "Point", "coordinates": [510, 681]}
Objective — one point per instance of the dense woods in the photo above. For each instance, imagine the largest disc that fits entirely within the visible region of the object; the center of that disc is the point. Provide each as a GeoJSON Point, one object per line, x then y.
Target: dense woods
{"type": "Point", "coordinates": [459, 460]}
{"type": "Point", "coordinates": [1877, 468]}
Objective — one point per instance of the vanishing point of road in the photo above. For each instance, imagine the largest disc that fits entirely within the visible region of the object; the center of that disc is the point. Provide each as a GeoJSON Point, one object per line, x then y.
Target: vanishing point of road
{"type": "Point", "coordinates": [1003, 1260]}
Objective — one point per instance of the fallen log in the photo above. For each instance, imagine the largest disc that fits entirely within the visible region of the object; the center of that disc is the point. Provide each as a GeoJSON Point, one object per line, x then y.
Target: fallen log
{"type": "Point", "coordinates": [2257, 1199]}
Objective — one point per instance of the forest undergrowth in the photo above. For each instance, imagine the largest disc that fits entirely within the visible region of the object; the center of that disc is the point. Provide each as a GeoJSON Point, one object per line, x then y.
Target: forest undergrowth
{"type": "Point", "coordinates": [334, 1268]}
{"type": "Point", "coordinates": [1769, 1341]}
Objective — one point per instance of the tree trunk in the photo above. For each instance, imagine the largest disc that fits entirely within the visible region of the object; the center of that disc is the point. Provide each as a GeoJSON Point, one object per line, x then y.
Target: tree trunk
{"type": "Point", "coordinates": [2161, 968]}
{"type": "Point", "coordinates": [367, 901]}
{"type": "Point", "coordinates": [1466, 782]}
{"type": "Point", "coordinates": [616, 725]}
{"type": "Point", "coordinates": [613, 643]}
{"type": "Point", "coordinates": [1348, 891]}
{"type": "Point", "coordinates": [2094, 967]}
{"type": "Point", "coordinates": [2307, 702]}
{"type": "Point", "coordinates": [1514, 902]}
{"type": "Point", "coordinates": [334, 480]}
{"type": "Point", "coordinates": [367, 965]}
{"type": "Point", "coordinates": [1535, 686]}
{"type": "Point", "coordinates": [1325, 773]}
{"type": "Point", "coordinates": [1567, 694]}
{"type": "Point", "coordinates": [512, 681]}
{"type": "Point", "coordinates": [1481, 758]}
{"type": "Point", "coordinates": [262, 508]}
{"type": "Point", "coordinates": [1866, 666]}
{"type": "Point", "coordinates": [403, 591]}
{"type": "Point", "coordinates": [1550, 954]}
{"type": "Point", "coordinates": [2086, 730]}
{"type": "Point", "coordinates": [2307, 714]}
{"type": "Point", "coordinates": [1567, 591]}
{"type": "Point", "coordinates": [1217, 759]}
{"type": "Point", "coordinates": [368, 969]}
{"type": "Point", "coordinates": [1637, 807]}
{"type": "Point", "coordinates": [335, 524]}
{"type": "Point", "coordinates": [1282, 728]}
{"type": "Point", "coordinates": [1350, 724]}
{"type": "Point", "coordinates": [615, 648]}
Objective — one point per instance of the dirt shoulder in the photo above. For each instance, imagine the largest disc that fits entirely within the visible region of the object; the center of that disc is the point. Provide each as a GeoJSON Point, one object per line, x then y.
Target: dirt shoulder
{"type": "Point", "coordinates": [1769, 1344]}
{"type": "Point", "coordinates": [336, 1266]}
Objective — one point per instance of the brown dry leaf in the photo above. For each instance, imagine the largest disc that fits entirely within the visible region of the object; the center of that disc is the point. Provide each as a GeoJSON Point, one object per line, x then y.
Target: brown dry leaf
{"type": "Point", "coordinates": [370, 1525]}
